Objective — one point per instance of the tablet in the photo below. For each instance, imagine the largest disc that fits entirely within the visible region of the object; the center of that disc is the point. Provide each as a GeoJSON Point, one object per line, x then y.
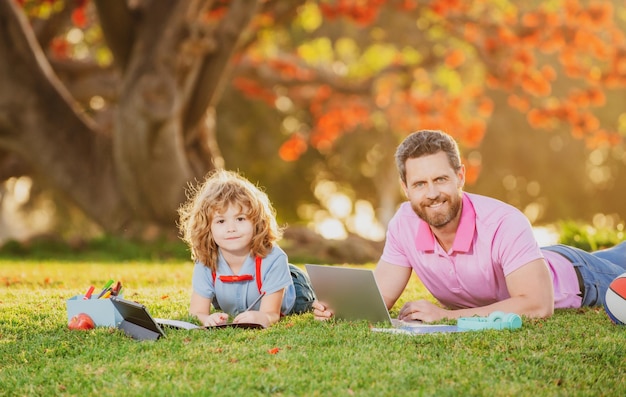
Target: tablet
{"type": "Point", "coordinates": [136, 321]}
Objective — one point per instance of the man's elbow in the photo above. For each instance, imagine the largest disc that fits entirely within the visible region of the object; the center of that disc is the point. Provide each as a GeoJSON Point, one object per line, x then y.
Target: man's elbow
{"type": "Point", "coordinates": [545, 311]}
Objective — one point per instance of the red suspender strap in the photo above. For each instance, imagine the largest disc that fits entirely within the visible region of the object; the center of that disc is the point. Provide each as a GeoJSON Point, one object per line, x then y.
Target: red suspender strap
{"type": "Point", "coordinates": [259, 282]}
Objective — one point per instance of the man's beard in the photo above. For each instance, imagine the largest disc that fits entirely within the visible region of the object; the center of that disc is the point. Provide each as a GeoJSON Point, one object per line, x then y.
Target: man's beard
{"type": "Point", "coordinates": [438, 219]}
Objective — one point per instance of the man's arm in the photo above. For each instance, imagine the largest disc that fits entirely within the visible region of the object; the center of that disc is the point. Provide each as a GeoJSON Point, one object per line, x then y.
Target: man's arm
{"type": "Point", "coordinates": [391, 280]}
{"type": "Point", "coordinates": [531, 290]}
{"type": "Point", "coordinates": [531, 294]}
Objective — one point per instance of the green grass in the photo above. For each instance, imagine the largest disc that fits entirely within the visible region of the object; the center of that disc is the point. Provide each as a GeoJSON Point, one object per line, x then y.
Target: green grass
{"type": "Point", "coordinates": [575, 353]}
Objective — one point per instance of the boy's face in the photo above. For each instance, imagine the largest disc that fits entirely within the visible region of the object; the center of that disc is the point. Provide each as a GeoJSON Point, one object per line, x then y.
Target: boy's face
{"type": "Point", "coordinates": [232, 230]}
{"type": "Point", "coordinates": [434, 188]}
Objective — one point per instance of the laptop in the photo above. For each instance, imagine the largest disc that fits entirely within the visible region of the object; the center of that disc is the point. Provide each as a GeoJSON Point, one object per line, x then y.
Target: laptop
{"type": "Point", "coordinates": [350, 293]}
{"type": "Point", "coordinates": [353, 295]}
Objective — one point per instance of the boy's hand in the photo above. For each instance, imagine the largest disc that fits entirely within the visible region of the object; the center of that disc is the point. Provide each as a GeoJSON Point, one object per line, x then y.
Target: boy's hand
{"type": "Point", "coordinates": [253, 317]}
{"type": "Point", "coordinates": [215, 319]}
{"type": "Point", "coordinates": [321, 312]}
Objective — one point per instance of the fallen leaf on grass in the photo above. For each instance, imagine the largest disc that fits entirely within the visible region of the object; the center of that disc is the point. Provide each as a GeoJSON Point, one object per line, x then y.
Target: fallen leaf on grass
{"type": "Point", "coordinates": [274, 350]}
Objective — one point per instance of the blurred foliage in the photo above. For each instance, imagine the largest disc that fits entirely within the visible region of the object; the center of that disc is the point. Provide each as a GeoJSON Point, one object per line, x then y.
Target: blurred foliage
{"type": "Point", "coordinates": [251, 149]}
{"type": "Point", "coordinates": [301, 248]}
{"type": "Point", "coordinates": [327, 93]}
{"type": "Point", "coordinates": [587, 237]}
{"type": "Point", "coordinates": [100, 249]}
{"type": "Point", "coordinates": [301, 245]}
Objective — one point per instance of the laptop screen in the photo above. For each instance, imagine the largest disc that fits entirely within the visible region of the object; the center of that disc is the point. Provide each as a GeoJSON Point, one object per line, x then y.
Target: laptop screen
{"type": "Point", "coordinates": [350, 293]}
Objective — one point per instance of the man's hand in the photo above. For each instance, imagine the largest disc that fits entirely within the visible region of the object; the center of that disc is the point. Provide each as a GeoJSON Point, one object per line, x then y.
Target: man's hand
{"type": "Point", "coordinates": [321, 312]}
{"type": "Point", "coordinates": [422, 310]}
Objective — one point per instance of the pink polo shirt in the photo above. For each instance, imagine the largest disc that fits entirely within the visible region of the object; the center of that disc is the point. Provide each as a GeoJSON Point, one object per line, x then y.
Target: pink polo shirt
{"type": "Point", "coordinates": [493, 240]}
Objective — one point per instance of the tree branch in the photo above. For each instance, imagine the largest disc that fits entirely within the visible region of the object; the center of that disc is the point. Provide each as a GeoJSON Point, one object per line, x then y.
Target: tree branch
{"type": "Point", "coordinates": [118, 27]}
{"type": "Point", "coordinates": [214, 68]}
{"type": "Point", "coordinates": [85, 79]}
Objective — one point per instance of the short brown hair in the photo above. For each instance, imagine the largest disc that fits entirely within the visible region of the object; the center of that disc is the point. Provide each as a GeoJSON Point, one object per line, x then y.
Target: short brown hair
{"type": "Point", "coordinates": [425, 142]}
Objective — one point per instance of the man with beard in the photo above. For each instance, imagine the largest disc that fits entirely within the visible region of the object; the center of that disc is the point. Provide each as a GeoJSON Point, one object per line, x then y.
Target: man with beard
{"type": "Point", "coordinates": [476, 254]}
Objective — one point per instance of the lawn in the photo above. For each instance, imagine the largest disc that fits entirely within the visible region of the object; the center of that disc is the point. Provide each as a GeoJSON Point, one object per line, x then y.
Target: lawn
{"type": "Point", "coordinates": [574, 353]}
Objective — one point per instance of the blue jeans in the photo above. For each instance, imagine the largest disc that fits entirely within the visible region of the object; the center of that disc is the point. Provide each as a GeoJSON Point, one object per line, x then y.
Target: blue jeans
{"type": "Point", "coordinates": [304, 291]}
{"type": "Point", "coordinates": [597, 268]}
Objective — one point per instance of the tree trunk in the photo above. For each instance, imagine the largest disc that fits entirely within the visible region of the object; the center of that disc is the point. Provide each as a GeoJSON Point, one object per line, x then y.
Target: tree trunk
{"type": "Point", "coordinates": [133, 171]}
{"type": "Point", "coordinates": [147, 138]}
{"type": "Point", "coordinates": [38, 120]}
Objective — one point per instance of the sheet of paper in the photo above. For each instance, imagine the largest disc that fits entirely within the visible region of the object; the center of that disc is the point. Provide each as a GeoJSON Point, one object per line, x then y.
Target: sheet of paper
{"type": "Point", "coordinates": [186, 325]}
{"type": "Point", "coordinates": [176, 323]}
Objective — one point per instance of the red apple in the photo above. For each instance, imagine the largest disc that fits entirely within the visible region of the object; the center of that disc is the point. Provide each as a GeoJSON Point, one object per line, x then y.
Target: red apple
{"type": "Point", "coordinates": [81, 321]}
